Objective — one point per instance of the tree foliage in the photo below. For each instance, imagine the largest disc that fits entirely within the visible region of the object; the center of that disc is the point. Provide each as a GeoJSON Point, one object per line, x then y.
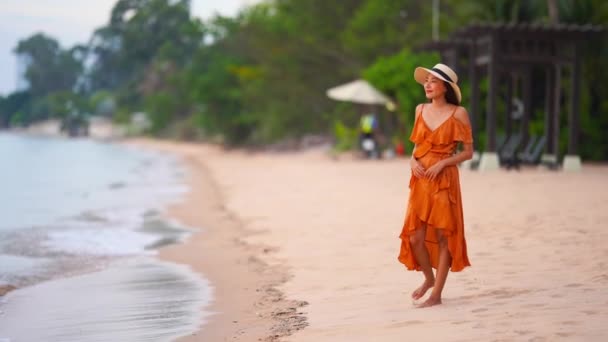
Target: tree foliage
{"type": "Point", "coordinates": [261, 76]}
{"type": "Point", "coordinates": [49, 68]}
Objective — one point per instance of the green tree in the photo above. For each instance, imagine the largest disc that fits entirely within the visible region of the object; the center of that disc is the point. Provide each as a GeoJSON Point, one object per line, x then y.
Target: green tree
{"type": "Point", "coordinates": [383, 28]}
{"type": "Point", "coordinates": [593, 118]}
{"type": "Point", "coordinates": [49, 68]}
{"type": "Point", "coordinates": [290, 52]}
{"type": "Point", "coordinates": [16, 102]}
{"type": "Point", "coordinates": [138, 33]}
{"type": "Point", "coordinates": [4, 117]}
{"type": "Point", "coordinates": [515, 11]}
{"type": "Point", "coordinates": [393, 75]}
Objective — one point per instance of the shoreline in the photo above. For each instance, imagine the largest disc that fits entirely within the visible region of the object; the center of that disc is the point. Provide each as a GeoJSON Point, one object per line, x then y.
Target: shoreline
{"type": "Point", "coordinates": [247, 304]}
{"type": "Point", "coordinates": [76, 248]}
{"type": "Point", "coordinates": [133, 299]}
{"type": "Point", "coordinates": [332, 230]}
{"type": "Point", "coordinates": [268, 228]}
{"type": "Point", "coordinates": [6, 288]}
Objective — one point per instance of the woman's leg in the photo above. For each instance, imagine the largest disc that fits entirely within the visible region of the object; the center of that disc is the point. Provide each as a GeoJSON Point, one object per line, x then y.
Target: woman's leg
{"type": "Point", "coordinates": [422, 257]}
{"type": "Point", "coordinates": [445, 260]}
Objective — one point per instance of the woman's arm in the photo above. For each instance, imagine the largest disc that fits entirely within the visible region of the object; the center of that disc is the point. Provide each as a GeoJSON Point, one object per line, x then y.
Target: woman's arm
{"type": "Point", "coordinates": [416, 167]}
{"type": "Point", "coordinates": [465, 154]}
{"type": "Point", "coordinates": [416, 115]}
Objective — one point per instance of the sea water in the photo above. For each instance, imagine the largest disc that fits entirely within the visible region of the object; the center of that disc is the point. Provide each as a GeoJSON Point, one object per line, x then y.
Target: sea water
{"type": "Point", "coordinates": [80, 223]}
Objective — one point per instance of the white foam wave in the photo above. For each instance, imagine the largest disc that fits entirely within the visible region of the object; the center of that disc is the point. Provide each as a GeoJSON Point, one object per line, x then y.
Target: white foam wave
{"type": "Point", "coordinates": [112, 242]}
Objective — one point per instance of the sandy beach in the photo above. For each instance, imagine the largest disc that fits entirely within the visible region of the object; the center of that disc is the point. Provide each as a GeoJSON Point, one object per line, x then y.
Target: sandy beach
{"type": "Point", "coordinates": [302, 247]}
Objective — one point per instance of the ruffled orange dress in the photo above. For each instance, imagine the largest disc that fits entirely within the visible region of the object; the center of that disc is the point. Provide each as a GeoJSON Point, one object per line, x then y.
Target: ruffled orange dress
{"type": "Point", "coordinates": [436, 203]}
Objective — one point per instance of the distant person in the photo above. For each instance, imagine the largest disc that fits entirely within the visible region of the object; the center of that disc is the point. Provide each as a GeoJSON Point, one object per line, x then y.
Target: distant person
{"type": "Point", "coordinates": [433, 231]}
{"type": "Point", "coordinates": [368, 134]}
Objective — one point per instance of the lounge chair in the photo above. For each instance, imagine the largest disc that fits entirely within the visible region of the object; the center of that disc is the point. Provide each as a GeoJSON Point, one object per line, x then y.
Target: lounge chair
{"type": "Point", "coordinates": [522, 156]}
{"type": "Point", "coordinates": [508, 153]}
{"type": "Point", "coordinates": [533, 155]}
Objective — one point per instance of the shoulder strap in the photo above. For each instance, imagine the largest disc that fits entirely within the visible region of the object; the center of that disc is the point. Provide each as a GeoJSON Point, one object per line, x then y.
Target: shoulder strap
{"type": "Point", "coordinates": [454, 112]}
{"type": "Point", "coordinates": [421, 110]}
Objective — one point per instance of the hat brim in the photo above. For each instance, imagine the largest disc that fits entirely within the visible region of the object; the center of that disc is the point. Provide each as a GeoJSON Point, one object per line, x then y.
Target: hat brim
{"type": "Point", "coordinates": [421, 73]}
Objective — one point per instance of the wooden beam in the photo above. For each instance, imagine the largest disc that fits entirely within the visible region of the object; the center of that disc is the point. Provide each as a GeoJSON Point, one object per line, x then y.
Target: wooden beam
{"type": "Point", "coordinates": [557, 94]}
{"type": "Point", "coordinates": [527, 59]}
{"type": "Point", "coordinates": [510, 78]}
{"type": "Point", "coordinates": [491, 102]}
{"type": "Point", "coordinates": [527, 99]}
{"type": "Point", "coordinates": [523, 31]}
{"type": "Point", "coordinates": [573, 118]}
{"type": "Point", "coordinates": [474, 84]}
{"type": "Point", "coordinates": [450, 57]}
{"type": "Point", "coordinates": [482, 60]}
{"type": "Point", "coordinates": [549, 75]}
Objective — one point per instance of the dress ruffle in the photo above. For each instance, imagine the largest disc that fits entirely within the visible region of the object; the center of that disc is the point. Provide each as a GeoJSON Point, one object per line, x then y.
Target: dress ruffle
{"type": "Point", "coordinates": [437, 203]}
{"type": "Point", "coordinates": [452, 130]}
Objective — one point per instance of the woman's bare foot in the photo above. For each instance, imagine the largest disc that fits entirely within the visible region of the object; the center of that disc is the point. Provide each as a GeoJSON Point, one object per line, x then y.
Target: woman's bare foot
{"type": "Point", "coordinates": [419, 292]}
{"type": "Point", "coordinates": [432, 301]}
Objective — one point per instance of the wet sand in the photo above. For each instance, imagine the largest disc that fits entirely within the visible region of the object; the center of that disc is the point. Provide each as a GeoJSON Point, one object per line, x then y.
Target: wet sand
{"type": "Point", "coordinates": [6, 288]}
{"type": "Point", "coordinates": [137, 299]}
{"type": "Point", "coordinates": [247, 305]}
{"type": "Point", "coordinates": [282, 230]}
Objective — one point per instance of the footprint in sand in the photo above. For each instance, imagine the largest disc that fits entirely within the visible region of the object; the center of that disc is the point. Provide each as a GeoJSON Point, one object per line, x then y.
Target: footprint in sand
{"type": "Point", "coordinates": [564, 334]}
{"type": "Point", "coordinates": [479, 310]}
{"type": "Point", "coordinates": [508, 293]}
{"type": "Point", "coordinates": [523, 332]}
{"type": "Point", "coordinates": [600, 278]}
{"type": "Point", "coordinates": [590, 312]}
{"type": "Point", "coordinates": [574, 285]}
{"type": "Point", "coordinates": [531, 218]}
{"type": "Point", "coordinates": [405, 324]}
{"type": "Point", "coordinates": [497, 294]}
{"type": "Point", "coordinates": [570, 323]}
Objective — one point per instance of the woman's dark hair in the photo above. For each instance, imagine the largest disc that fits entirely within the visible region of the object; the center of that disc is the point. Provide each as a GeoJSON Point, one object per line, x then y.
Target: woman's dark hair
{"type": "Point", "coordinates": [450, 94]}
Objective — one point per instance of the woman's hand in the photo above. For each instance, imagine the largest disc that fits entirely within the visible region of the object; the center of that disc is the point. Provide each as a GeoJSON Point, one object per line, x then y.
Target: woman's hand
{"type": "Point", "coordinates": [434, 170]}
{"type": "Point", "coordinates": [417, 169]}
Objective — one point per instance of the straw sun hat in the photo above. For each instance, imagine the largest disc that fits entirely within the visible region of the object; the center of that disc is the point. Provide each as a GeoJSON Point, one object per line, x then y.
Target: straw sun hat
{"type": "Point", "coordinates": [442, 72]}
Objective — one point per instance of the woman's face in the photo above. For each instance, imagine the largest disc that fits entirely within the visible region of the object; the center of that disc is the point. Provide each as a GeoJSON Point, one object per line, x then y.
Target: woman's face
{"type": "Point", "coordinates": [433, 87]}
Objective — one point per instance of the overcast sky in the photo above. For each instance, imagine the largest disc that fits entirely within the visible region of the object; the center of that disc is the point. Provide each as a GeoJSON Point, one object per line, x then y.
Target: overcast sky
{"type": "Point", "coordinates": [70, 22]}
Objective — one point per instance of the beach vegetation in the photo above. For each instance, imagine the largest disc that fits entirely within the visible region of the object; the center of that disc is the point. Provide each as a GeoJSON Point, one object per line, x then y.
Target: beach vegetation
{"type": "Point", "coordinates": [260, 76]}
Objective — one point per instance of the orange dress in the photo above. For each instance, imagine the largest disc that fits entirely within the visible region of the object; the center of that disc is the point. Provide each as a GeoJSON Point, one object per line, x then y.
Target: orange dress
{"type": "Point", "coordinates": [436, 203]}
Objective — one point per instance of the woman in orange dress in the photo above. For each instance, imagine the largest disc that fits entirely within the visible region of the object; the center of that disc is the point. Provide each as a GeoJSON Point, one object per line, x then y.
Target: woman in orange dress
{"type": "Point", "coordinates": [433, 231]}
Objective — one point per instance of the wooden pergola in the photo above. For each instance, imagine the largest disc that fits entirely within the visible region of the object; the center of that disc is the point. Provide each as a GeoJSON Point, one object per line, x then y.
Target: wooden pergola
{"type": "Point", "coordinates": [507, 53]}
